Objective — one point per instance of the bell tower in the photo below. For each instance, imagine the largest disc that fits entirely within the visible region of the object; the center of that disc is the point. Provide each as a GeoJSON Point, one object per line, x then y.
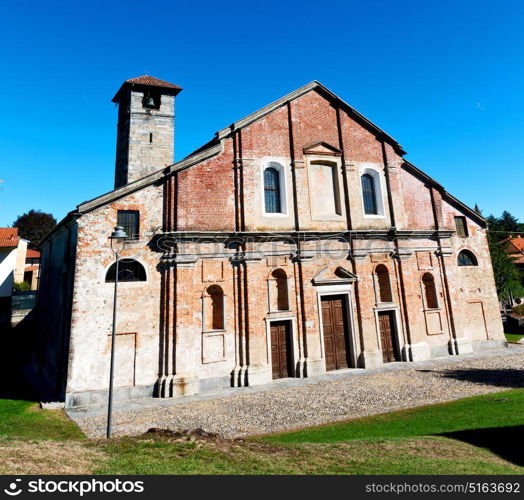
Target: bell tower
{"type": "Point", "coordinates": [146, 127]}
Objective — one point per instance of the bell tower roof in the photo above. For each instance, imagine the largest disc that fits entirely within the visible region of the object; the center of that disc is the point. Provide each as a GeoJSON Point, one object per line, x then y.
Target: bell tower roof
{"type": "Point", "coordinates": [147, 81]}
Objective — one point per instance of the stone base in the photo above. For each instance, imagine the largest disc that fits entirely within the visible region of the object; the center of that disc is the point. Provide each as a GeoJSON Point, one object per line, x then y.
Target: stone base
{"type": "Point", "coordinates": [209, 384]}
{"type": "Point", "coordinates": [462, 345]}
{"type": "Point", "coordinates": [259, 375]}
{"type": "Point", "coordinates": [439, 351]}
{"type": "Point", "coordinates": [370, 359]}
{"type": "Point", "coordinates": [488, 345]}
{"type": "Point", "coordinates": [416, 352]}
{"type": "Point", "coordinates": [314, 367]}
{"type": "Point", "coordinates": [185, 385]}
{"type": "Point", "coordinates": [88, 398]}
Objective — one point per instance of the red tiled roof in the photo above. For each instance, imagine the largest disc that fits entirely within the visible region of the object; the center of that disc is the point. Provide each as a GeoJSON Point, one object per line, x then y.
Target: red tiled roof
{"type": "Point", "coordinates": [518, 243]}
{"type": "Point", "coordinates": [9, 237]}
{"type": "Point", "coordinates": [150, 81]}
{"type": "Point", "coordinates": [32, 254]}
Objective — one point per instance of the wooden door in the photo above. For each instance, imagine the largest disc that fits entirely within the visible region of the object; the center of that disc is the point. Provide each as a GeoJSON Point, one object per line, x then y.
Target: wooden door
{"type": "Point", "coordinates": [335, 329]}
{"type": "Point", "coordinates": [280, 349]}
{"type": "Point", "coordinates": [387, 336]}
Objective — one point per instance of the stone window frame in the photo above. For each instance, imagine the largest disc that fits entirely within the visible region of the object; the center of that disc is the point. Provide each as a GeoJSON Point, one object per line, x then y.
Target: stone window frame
{"type": "Point", "coordinates": [463, 220]}
{"type": "Point", "coordinates": [278, 165]}
{"type": "Point", "coordinates": [205, 298]}
{"type": "Point", "coordinates": [270, 291]}
{"type": "Point", "coordinates": [376, 284]}
{"type": "Point", "coordinates": [379, 192]}
{"type": "Point", "coordinates": [472, 254]}
{"type": "Point", "coordinates": [336, 163]}
{"type": "Point", "coordinates": [125, 283]}
{"type": "Point", "coordinates": [423, 292]}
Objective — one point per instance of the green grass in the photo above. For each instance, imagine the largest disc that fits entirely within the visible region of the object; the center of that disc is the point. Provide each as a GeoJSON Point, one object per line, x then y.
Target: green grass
{"type": "Point", "coordinates": [503, 409]}
{"type": "Point", "coordinates": [478, 435]}
{"type": "Point", "coordinates": [513, 337]}
{"type": "Point", "coordinates": [25, 420]}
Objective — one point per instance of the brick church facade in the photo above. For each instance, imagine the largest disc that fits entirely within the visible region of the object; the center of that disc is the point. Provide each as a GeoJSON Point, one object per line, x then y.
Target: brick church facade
{"type": "Point", "coordinates": [297, 241]}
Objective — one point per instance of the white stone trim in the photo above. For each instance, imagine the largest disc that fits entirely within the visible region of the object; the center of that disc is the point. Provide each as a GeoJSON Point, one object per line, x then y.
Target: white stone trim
{"type": "Point", "coordinates": [379, 192]}
{"type": "Point", "coordinates": [294, 341]}
{"type": "Point", "coordinates": [400, 341]}
{"type": "Point", "coordinates": [347, 291]}
{"type": "Point", "coordinates": [333, 162]}
{"type": "Point", "coordinates": [279, 165]}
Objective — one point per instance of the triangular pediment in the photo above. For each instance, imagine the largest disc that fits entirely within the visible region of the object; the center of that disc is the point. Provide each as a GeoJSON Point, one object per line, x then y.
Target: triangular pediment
{"type": "Point", "coordinates": [322, 148]}
{"type": "Point", "coordinates": [338, 276]}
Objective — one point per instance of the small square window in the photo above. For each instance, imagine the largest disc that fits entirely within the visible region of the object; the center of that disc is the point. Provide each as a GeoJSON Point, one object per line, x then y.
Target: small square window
{"type": "Point", "coordinates": [130, 221]}
{"type": "Point", "coordinates": [461, 226]}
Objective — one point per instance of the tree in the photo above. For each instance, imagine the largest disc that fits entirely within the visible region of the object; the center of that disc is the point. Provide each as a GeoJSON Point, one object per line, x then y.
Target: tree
{"type": "Point", "coordinates": [34, 225]}
{"type": "Point", "coordinates": [507, 276]}
{"type": "Point", "coordinates": [508, 222]}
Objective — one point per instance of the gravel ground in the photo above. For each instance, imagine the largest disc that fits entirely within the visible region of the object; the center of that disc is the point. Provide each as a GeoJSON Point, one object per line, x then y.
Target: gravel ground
{"type": "Point", "coordinates": [355, 394]}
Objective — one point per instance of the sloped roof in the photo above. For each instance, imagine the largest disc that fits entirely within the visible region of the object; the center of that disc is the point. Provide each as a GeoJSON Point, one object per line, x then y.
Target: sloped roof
{"type": "Point", "coordinates": [513, 245]}
{"type": "Point", "coordinates": [9, 237]}
{"type": "Point", "coordinates": [32, 254]}
{"type": "Point", "coordinates": [147, 81]}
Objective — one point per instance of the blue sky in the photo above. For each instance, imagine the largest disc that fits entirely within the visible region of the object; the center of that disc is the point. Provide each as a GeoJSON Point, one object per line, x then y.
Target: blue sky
{"type": "Point", "coordinates": [444, 78]}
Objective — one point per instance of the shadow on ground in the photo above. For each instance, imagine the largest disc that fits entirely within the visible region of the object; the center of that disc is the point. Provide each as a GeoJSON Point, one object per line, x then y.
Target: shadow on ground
{"type": "Point", "coordinates": [501, 377]}
{"type": "Point", "coordinates": [15, 357]}
{"type": "Point", "coordinates": [504, 442]}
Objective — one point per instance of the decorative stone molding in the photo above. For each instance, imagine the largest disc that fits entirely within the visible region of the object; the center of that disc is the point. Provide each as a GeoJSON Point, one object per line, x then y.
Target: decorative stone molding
{"type": "Point", "coordinates": [340, 276]}
{"type": "Point", "coordinates": [302, 255]}
{"type": "Point", "coordinates": [403, 253]}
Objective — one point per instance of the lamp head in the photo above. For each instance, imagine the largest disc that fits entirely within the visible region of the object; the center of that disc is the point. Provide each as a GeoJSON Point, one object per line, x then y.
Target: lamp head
{"type": "Point", "coordinates": [118, 234]}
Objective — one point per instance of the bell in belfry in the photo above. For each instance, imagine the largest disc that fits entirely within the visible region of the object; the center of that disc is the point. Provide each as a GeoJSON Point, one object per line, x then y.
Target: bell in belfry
{"type": "Point", "coordinates": [149, 102]}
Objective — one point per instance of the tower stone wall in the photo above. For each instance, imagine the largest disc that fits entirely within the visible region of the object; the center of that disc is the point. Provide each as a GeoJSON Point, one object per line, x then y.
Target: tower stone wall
{"type": "Point", "coordinates": [145, 134]}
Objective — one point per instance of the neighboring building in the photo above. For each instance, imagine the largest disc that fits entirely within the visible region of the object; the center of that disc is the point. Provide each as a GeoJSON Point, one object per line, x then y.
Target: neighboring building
{"type": "Point", "coordinates": [32, 268]}
{"type": "Point", "coordinates": [297, 241]}
{"type": "Point", "coordinates": [12, 259]}
{"type": "Point", "coordinates": [514, 247]}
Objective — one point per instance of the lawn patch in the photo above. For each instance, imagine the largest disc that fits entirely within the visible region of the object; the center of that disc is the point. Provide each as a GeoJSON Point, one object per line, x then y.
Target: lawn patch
{"type": "Point", "coordinates": [513, 337]}
{"type": "Point", "coordinates": [502, 409]}
{"type": "Point", "coordinates": [26, 420]}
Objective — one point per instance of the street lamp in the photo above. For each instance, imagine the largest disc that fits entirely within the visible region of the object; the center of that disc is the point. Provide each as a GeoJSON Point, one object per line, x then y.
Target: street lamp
{"type": "Point", "coordinates": [118, 239]}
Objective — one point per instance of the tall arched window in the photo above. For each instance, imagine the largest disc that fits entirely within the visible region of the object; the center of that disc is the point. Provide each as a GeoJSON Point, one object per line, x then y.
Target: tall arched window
{"type": "Point", "coordinates": [214, 308]}
{"type": "Point", "coordinates": [384, 284]}
{"type": "Point", "coordinates": [369, 194]}
{"type": "Point", "coordinates": [430, 291]}
{"type": "Point", "coordinates": [272, 195]}
{"type": "Point", "coordinates": [279, 292]}
{"type": "Point", "coordinates": [466, 258]}
{"type": "Point", "coordinates": [128, 270]}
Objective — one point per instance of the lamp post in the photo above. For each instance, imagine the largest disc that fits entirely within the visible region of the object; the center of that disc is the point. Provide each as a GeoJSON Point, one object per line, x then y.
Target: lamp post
{"type": "Point", "coordinates": [118, 240]}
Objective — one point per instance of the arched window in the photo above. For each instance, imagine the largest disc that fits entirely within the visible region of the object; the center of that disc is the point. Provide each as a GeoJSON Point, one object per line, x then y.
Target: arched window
{"type": "Point", "coordinates": [466, 258]}
{"type": "Point", "coordinates": [280, 291]}
{"type": "Point", "coordinates": [128, 270]}
{"type": "Point", "coordinates": [215, 308]}
{"type": "Point", "coordinates": [369, 194]}
{"type": "Point", "coordinates": [384, 284]}
{"type": "Point", "coordinates": [272, 195]}
{"type": "Point", "coordinates": [430, 291]}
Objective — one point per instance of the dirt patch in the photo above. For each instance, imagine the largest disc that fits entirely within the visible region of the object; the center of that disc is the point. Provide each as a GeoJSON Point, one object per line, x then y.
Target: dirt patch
{"type": "Point", "coordinates": [48, 457]}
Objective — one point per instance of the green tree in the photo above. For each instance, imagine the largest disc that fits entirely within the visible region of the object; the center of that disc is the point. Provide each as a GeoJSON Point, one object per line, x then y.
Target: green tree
{"type": "Point", "coordinates": [34, 225]}
{"type": "Point", "coordinates": [507, 276]}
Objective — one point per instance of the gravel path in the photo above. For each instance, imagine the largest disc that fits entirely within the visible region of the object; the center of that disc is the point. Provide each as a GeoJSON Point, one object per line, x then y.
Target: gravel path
{"type": "Point", "coordinates": [355, 394]}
